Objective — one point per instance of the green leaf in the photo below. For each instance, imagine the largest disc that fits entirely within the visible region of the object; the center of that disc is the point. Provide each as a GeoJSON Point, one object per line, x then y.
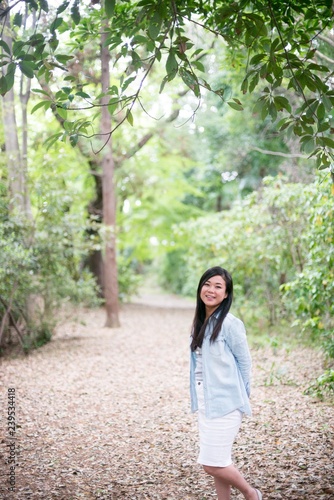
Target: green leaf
{"type": "Point", "coordinates": [83, 94]}
{"type": "Point", "coordinates": [67, 90]}
{"type": "Point", "coordinates": [53, 139]}
{"type": "Point", "coordinates": [171, 65]}
{"type": "Point", "coordinates": [53, 42]}
{"type": "Point", "coordinates": [75, 12]}
{"type": "Point", "coordinates": [10, 75]}
{"type": "Point", "coordinates": [282, 103]}
{"type": "Point", "coordinates": [55, 25]}
{"type": "Point", "coordinates": [3, 85]}
{"type": "Point", "coordinates": [5, 47]}
{"type": "Point", "coordinates": [284, 124]}
{"type": "Point", "coordinates": [318, 67]}
{"type": "Point", "coordinates": [198, 65]}
{"type": "Point", "coordinates": [127, 83]}
{"type": "Point", "coordinates": [327, 102]}
{"type": "Point", "coordinates": [27, 68]}
{"type": "Point", "coordinates": [17, 48]}
{"type": "Point", "coordinates": [112, 107]}
{"type": "Point", "coordinates": [109, 6]}
{"type": "Point", "coordinates": [139, 39]}
{"type": "Point", "coordinates": [43, 104]}
{"type": "Point", "coordinates": [62, 112]}
{"type": "Point", "coordinates": [257, 59]}
{"type": "Point", "coordinates": [74, 139]}
{"type": "Point", "coordinates": [254, 82]}
{"type": "Point", "coordinates": [63, 59]}
{"type": "Point", "coordinates": [157, 54]}
{"type": "Point", "coordinates": [321, 112]}
{"type": "Point", "coordinates": [307, 144]}
{"type": "Point", "coordinates": [33, 5]}
{"type": "Point", "coordinates": [40, 91]}
{"type": "Point", "coordinates": [155, 26]}
{"type": "Point", "coordinates": [129, 117]}
{"type": "Point", "coordinates": [235, 105]}
{"type": "Point", "coordinates": [62, 7]}
{"type": "Point", "coordinates": [322, 127]}
{"type": "Point", "coordinates": [17, 21]}
{"type": "Point", "coordinates": [264, 110]}
{"type": "Point", "coordinates": [325, 141]}
{"type": "Point", "coordinates": [44, 5]}
{"type": "Point", "coordinates": [163, 83]}
{"type": "Point", "coordinates": [244, 86]}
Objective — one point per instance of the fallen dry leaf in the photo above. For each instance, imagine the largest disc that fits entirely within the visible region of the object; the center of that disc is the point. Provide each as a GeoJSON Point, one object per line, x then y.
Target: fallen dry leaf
{"type": "Point", "coordinates": [104, 414]}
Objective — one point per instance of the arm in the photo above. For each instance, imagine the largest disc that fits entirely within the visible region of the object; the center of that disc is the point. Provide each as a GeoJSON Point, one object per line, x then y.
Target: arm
{"type": "Point", "coordinates": [237, 342]}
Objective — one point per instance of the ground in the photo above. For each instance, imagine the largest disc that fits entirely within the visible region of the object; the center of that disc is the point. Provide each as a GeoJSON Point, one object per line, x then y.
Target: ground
{"type": "Point", "coordinates": [104, 414]}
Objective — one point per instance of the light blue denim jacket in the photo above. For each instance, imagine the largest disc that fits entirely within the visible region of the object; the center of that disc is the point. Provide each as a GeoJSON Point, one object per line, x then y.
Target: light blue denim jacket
{"type": "Point", "coordinates": [226, 370]}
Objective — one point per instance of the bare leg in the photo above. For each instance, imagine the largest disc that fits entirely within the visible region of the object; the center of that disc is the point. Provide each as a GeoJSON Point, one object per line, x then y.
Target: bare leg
{"type": "Point", "coordinates": [223, 489]}
{"type": "Point", "coordinates": [230, 476]}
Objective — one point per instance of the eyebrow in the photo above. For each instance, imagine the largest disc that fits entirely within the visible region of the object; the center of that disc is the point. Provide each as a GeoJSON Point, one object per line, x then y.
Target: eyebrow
{"type": "Point", "coordinates": [214, 282]}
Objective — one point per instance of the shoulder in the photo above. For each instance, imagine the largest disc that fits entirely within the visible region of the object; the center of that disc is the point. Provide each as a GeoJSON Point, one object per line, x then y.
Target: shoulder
{"type": "Point", "coordinates": [232, 321]}
{"type": "Point", "coordinates": [234, 327]}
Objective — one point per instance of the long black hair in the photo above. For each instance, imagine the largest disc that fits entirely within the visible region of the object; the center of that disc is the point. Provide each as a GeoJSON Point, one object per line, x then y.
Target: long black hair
{"type": "Point", "coordinates": [199, 323]}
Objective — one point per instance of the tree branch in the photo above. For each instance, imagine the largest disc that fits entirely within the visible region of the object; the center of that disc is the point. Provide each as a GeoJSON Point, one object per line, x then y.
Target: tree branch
{"type": "Point", "coordinates": [323, 56]}
{"type": "Point", "coordinates": [278, 153]}
{"type": "Point", "coordinates": [326, 39]}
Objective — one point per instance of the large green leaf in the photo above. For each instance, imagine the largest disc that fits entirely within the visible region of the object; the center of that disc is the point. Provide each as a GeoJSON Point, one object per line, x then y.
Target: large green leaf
{"type": "Point", "coordinates": [5, 47]}
{"type": "Point", "coordinates": [27, 68]}
{"type": "Point", "coordinates": [109, 6]}
{"type": "Point", "coordinates": [42, 104]}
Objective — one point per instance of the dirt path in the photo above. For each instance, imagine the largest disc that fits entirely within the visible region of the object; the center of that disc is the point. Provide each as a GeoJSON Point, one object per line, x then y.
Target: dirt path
{"type": "Point", "coordinates": [104, 414]}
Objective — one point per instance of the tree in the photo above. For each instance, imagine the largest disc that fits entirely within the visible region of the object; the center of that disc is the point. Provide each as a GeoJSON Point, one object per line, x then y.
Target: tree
{"type": "Point", "coordinates": [265, 39]}
{"type": "Point", "coordinates": [280, 43]}
{"type": "Point", "coordinates": [16, 153]}
{"type": "Point", "coordinates": [109, 198]}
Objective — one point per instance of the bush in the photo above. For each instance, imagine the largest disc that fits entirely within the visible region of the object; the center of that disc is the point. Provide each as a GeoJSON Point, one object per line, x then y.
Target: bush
{"type": "Point", "coordinates": [278, 245]}
{"type": "Point", "coordinates": [39, 269]}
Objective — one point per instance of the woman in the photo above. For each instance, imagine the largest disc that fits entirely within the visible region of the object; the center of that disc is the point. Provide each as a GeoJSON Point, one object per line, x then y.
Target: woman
{"type": "Point", "coordinates": [219, 381]}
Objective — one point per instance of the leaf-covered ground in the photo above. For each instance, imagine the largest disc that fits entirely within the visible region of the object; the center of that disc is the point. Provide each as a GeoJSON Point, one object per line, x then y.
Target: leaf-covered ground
{"type": "Point", "coordinates": [104, 414]}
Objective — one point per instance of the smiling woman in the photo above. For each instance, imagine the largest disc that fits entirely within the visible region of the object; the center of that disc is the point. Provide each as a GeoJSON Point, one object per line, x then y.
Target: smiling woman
{"type": "Point", "coordinates": [220, 368]}
{"type": "Point", "coordinates": [213, 293]}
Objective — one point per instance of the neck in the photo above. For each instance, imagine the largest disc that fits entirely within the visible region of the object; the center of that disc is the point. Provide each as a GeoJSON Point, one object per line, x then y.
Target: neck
{"type": "Point", "coordinates": [209, 311]}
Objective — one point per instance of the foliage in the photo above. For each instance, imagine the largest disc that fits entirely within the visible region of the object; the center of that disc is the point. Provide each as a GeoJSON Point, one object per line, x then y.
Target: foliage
{"type": "Point", "coordinates": [278, 245]}
{"type": "Point", "coordinates": [323, 387]}
{"type": "Point", "coordinates": [278, 41]}
{"type": "Point", "coordinates": [152, 187]}
{"type": "Point", "coordinates": [41, 262]}
{"type": "Point", "coordinates": [39, 269]}
{"type": "Point", "coordinates": [310, 294]}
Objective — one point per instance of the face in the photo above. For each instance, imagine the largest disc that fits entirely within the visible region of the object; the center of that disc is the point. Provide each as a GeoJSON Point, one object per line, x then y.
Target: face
{"type": "Point", "coordinates": [213, 293]}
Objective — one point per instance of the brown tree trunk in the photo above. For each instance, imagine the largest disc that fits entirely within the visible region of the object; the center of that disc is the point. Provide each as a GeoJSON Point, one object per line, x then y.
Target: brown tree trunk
{"type": "Point", "coordinates": [109, 199]}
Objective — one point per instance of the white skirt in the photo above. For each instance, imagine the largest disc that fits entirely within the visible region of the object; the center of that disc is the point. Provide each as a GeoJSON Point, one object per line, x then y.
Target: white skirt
{"type": "Point", "coordinates": [216, 435]}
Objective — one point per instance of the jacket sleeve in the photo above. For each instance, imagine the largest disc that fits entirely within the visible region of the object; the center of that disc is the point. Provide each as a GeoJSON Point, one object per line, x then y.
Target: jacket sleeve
{"type": "Point", "coordinates": [237, 341]}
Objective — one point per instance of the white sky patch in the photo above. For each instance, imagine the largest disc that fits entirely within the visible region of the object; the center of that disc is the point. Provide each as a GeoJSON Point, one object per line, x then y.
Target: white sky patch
{"type": "Point", "coordinates": [126, 206]}
{"type": "Point", "coordinates": [154, 241]}
{"type": "Point", "coordinates": [229, 176]}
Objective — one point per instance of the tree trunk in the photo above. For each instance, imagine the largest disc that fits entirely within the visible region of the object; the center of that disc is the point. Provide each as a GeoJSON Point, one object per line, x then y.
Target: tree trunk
{"type": "Point", "coordinates": [25, 86]}
{"type": "Point", "coordinates": [16, 166]}
{"type": "Point", "coordinates": [109, 198]}
{"type": "Point", "coordinates": [16, 180]}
